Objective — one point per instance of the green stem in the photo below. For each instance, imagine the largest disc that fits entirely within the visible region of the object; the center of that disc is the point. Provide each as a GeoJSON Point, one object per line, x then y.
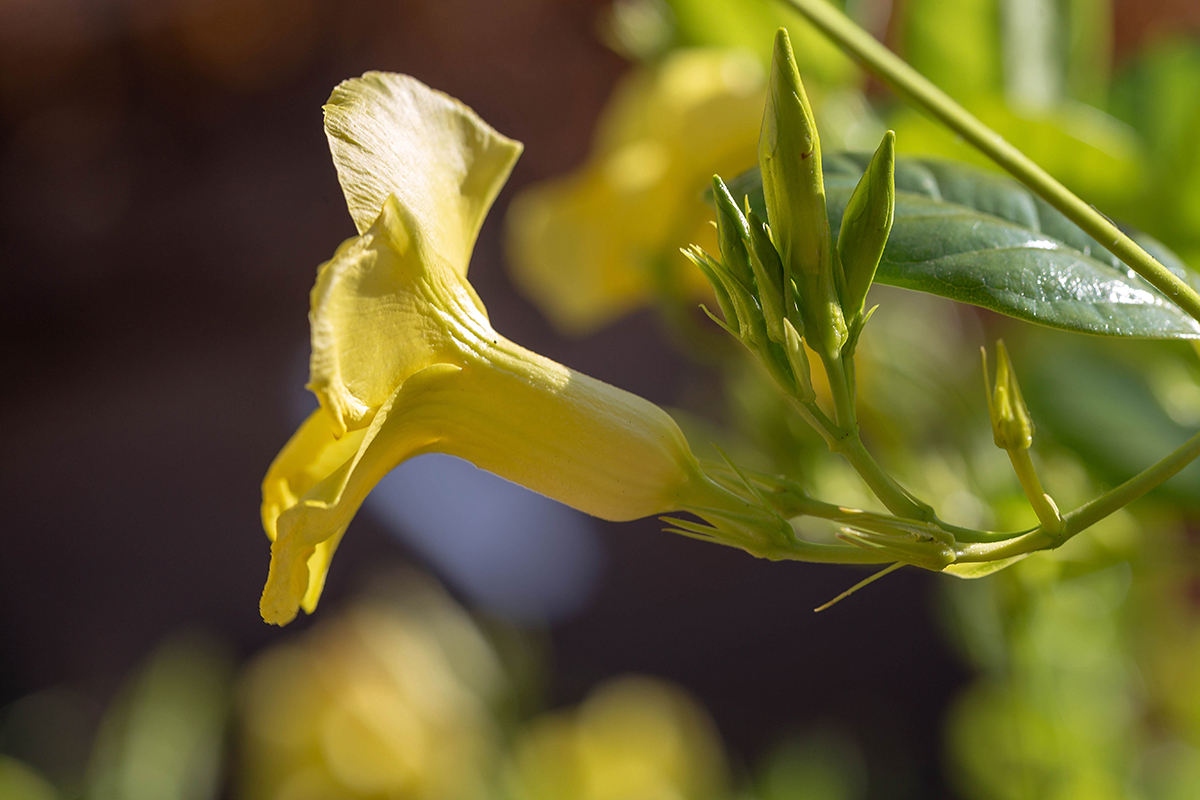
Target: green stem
{"type": "Point", "coordinates": [842, 438]}
{"type": "Point", "coordinates": [849, 445]}
{"type": "Point", "coordinates": [894, 496]}
{"type": "Point", "coordinates": [924, 93]}
{"type": "Point", "coordinates": [1043, 506]}
{"type": "Point", "coordinates": [716, 504]}
{"type": "Point", "coordinates": [844, 409]}
{"type": "Point", "coordinates": [1089, 513]}
{"type": "Point", "coordinates": [1092, 512]}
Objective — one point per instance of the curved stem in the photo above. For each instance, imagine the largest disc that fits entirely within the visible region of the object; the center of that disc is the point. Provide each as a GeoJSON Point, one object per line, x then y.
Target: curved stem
{"type": "Point", "coordinates": [895, 497]}
{"type": "Point", "coordinates": [1043, 505]}
{"type": "Point", "coordinates": [849, 444]}
{"type": "Point", "coordinates": [1089, 513]}
{"type": "Point", "coordinates": [907, 81]}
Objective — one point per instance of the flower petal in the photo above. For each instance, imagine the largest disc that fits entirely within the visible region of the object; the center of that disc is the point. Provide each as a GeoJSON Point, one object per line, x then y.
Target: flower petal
{"type": "Point", "coordinates": [319, 517]}
{"type": "Point", "coordinates": [392, 135]}
{"type": "Point", "coordinates": [384, 308]}
{"type": "Point", "coordinates": [308, 458]}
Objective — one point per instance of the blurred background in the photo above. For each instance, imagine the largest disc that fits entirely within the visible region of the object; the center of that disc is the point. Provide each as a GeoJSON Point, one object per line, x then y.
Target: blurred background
{"type": "Point", "coordinates": [166, 194]}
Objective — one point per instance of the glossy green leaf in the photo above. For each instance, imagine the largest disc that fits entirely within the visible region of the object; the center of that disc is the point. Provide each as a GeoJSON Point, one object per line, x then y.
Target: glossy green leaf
{"type": "Point", "coordinates": [981, 238]}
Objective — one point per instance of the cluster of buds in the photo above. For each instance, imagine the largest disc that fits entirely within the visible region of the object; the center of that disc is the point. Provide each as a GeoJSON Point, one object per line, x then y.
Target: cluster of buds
{"type": "Point", "coordinates": [781, 282]}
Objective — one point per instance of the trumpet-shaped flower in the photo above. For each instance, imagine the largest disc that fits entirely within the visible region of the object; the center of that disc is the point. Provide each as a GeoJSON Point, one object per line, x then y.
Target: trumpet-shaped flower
{"type": "Point", "coordinates": [405, 362]}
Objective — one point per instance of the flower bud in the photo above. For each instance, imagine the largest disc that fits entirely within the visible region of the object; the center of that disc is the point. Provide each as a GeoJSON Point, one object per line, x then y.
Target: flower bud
{"type": "Point", "coordinates": [733, 232]}
{"type": "Point", "coordinates": [769, 276]}
{"type": "Point", "coordinates": [866, 224]}
{"type": "Point", "coordinates": [1012, 428]}
{"type": "Point", "coordinates": [789, 155]}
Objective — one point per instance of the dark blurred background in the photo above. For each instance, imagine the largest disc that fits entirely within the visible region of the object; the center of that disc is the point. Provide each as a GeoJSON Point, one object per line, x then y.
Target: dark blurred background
{"type": "Point", "coordinates": [166, 194]}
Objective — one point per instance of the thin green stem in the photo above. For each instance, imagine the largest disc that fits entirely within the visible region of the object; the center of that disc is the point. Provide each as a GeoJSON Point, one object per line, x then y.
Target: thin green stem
{"type": "Point", "coordinates": [818, 420]}
{"type": "Point", "coordinates": [1043, 505]}
{"type": "Point", "coordinates": [842, 437]}
{"type": "Point", "coordinates": [844, 409]}
{"type": "Point", "coordinates": [1092, 512]}
{"type": "Point", "coordinates": [895, 497]}
{"type": "Point", "coordinates": [1089, 513]}
{"type": "Point", "coordinates": [907, 81]}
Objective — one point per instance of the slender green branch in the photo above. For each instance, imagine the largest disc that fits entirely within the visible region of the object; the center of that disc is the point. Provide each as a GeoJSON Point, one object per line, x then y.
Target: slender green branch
{"type": "Point", "coordinates": [895, 497]}
{"type": "Point", "coordinates": [1092, 512]}
{"type": "Point", "coordinates": [847, 443]}
{"type": "Point", "coordinates": [1089, 513]}
{"type": "Point", "coordinates": [907, 81]}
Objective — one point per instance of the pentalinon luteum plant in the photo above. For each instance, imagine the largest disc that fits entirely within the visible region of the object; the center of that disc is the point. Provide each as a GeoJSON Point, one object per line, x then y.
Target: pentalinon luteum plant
{"type": "Point", "coordinates": [405, 361]}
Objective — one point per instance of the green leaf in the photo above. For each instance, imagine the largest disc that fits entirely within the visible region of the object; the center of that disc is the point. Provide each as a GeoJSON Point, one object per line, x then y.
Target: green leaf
{"type": "Point", "coordinates": [981, 569]}
{"type": "Point", "coordinates": [982, 238]}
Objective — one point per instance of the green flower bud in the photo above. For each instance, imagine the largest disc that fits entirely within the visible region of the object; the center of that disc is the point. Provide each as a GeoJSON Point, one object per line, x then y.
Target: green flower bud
{"type": "Point", "coordinates": [865, 227]}
{"type": "Point", "coordinates": [1012, 428]}
{"type": "Point", "coordinates": [789, 156]}
{"type": "Point", "coordinates": [769, 275]}
{"type": "Point", "coordinates": [733, 232]}
{"type": "Point", "coordinates": [798, 359]}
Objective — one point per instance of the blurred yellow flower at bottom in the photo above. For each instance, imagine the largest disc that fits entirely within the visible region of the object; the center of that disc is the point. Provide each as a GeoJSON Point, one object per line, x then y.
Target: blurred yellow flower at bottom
{"type": "Point", "coordinates": [633, 738]}
{"type": "Point", "coordinates": [389, 700]}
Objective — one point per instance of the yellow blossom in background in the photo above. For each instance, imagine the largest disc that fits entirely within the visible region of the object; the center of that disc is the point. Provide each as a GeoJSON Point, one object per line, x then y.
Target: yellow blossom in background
{"type": "Point", "coordinates": [602, 241]}
{"type": "Point", "coordinates": [633, 738]}
{"type": "Point", "coordinates": [391, 699]}
{"type": "Point", "coordinates": [405, 362]}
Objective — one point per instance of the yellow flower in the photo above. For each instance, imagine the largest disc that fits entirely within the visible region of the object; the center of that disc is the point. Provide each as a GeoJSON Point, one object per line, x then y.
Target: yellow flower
{"type": "Point", "coordinates": [392, 698]}
{"type": "Point", "coordinates": [405, 361]}
{"type": "Point", "coordinates": [632, 737]}
{"type": "Point", "coordinates": [603, 241]}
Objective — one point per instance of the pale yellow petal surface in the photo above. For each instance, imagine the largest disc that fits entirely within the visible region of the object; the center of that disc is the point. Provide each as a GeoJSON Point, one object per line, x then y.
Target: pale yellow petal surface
{"type": "Point", "coordinates": [392, 135]}
{"type": "Point", "coordinates": [592, 446]}
{"type": "Point", "coordinates": [308, 458]}
{"type": "Point", "coordinates": [382, 309]}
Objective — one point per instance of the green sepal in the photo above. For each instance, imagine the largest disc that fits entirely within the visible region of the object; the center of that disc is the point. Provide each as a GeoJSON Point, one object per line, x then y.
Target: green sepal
{"type": "Point", "coordinates": [866, 224]}
{"type": "Point", "coordinates": [969, 570]}
{"type": "Point", "coordinates": [712, 273]}
{"type": "Point", "coordinates": [750, 328]}
{"type": "Point", "coordinates": [925, 553]}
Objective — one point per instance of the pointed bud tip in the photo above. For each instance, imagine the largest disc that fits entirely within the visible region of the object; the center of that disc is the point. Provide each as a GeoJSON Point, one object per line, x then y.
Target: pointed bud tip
{"type": "Point", "coordinates": [1012, 427]}
{"type": "Point", "coordinates": [783, 48]}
